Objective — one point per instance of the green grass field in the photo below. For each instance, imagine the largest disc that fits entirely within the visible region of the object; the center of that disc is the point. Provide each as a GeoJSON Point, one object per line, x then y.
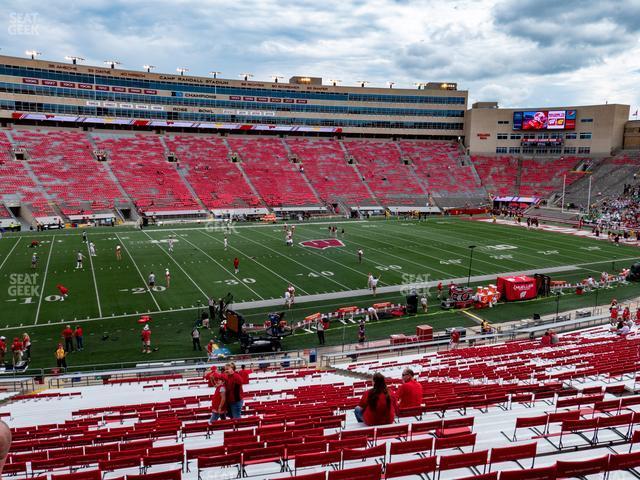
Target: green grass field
{"type": "Point", "coordinates": [108, 295]}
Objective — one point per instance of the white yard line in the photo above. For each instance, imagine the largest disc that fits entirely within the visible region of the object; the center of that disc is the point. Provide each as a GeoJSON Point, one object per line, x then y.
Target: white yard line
{"type": "Point", "coordinates": [295, 261]}
{"type": "Point", "coordinates": [44, 280]}
{"type": "Point", "coordinates": [309, 250]}
{"type": "Point", "coordinates": [280, 300]}
{"type": "Point", "coordinates": [10, 252]}
{"type": "Point", "coordinates": [144, 281]}
{"type": "Point", "coordinates": [95, 283]}
{"type": "Point", "coordinates": [179, 266]}
{"type": "Point", "coordinates": [220, 265]}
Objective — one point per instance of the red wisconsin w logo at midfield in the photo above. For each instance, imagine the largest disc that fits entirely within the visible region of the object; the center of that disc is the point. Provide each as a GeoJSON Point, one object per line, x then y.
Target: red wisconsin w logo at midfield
{"type": "Point", "coordinates": [322, 244]}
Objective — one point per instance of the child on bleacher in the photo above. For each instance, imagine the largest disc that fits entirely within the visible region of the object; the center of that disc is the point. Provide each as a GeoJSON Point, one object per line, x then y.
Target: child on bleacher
{"type": "Point", "coordinates": [218, 400]}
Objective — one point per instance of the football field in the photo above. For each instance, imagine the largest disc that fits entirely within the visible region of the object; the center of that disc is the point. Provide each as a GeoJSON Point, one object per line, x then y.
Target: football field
{"type": "Point", "coordinates": [319, 265]}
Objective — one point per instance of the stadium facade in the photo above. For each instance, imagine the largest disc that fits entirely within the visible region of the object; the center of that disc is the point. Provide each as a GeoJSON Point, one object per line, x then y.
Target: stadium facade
{"type": "Point", "coordinates": [584, 130]}
{"type": "Point", "coordinates": [37, 89]}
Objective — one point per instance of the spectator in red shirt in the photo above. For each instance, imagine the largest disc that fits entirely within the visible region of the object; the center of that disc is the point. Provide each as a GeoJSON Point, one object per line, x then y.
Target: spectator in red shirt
{"type": "Point", "coordinates": [377, 406]}
{"type": "Point", "coordinates": [410, 392]}
{"type": "Point", "coordinates": [455, 339]}
{"type": "Point", "coordinates": [545, 340]}
{"type": "Point", "coordinates": [244, 374]}
{"type": "Point", "coordinates": [67, 334]}
{"type": "Point", "coordinates": [16, 348]}
{"type": "Point", "coordinates": [234, 390]}
{"type": "Point", "coordinates": [79, 338]}
{"type": "Point", "coordinates": [210, 376]}
{"type": "Point", "coordinates": [219, 399]}
{"type": "Point", "coordinates": [3, 349]}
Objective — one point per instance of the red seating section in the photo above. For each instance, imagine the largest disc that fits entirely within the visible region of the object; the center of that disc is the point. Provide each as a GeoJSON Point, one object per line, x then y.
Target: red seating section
{"type": "Point", "coordinates": [327, 170]}
{"type": "Point", "coordinates": [442, 166]}
{"type": "Point", "coordinates": [140, 164]}
{"type": "Point", "coordinates": [380, 163]}
{"type": "Point", "coordinates": [537, 176]}
{"type": "Point", "coordinates": [215, 179]}
{"type": "Point", "coordinates": [277, 180]}
{"type": "Point", "coordinates": [62, 160]}
{"type": "Point", "coordinates": [15, 180]}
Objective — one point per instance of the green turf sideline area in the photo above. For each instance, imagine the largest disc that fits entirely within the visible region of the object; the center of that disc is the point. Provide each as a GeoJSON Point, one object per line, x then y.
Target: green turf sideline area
{"type": "Point", "coordinates": [108, 295]}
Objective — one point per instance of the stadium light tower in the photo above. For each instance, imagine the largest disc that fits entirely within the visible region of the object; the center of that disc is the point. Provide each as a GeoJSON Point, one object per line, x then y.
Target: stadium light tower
{"type": "Point", "coordinates": [276, 77]}
{"type": "Point", "coordinates": [33, 53]}
{"type": "Point", "coordinates": [181, 70]}
{"type": "Point", "coordinates": [215, 74]}
{"type": "Point", "coordinates": [471, 248]}
{"type": "Point", "coordinates": [420, 85]}
{"type": "Point", "coordinates": [363, 83]}
{"type": "Point", "coordinates": [335, 82]}
{"type": "Point", "coordinates": [391, 84]}
{"type": "Point", "coordinates": [148, 68]}
{"type": "Point", "coordinates": [246, 76]}
{"type": "Point", "coordinates": [74, 59]}
{"type": "Point", "coordinates": [112, 63]}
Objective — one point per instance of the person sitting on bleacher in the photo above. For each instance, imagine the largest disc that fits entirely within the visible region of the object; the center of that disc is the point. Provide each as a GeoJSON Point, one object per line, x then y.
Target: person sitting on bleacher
{"type": "Point", "coordinates": [410, 392]}
{"type": "Point", "coordinates": [377, 406]}
{"type": "Point", "coordinates": [545, 340]}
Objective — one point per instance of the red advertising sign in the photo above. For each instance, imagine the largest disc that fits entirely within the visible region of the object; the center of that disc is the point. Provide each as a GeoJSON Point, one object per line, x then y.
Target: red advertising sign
{"type": "Point", "coordinates": [517, 288]}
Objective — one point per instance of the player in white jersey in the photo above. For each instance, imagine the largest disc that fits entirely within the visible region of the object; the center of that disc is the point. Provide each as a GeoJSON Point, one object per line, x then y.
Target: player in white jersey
{"type": "Point", "coordinates": [289, 240]}
{"type": "Point", "coordinates": [287, 299]}
{"type": "Point", "coordinates": [171, 241]}
{"type": "Point", "coordinates": [92, 249]}
{"type": "Point", "coordinates": [34, 260]}
{"type": "Point", "coordinates": [360, 255]}
{"type": "Point", "coordinates": [374, 285]}
{"type": "Point", "coordinates": [152, 280]}
{"type": "Point", "coordinates": [167, 276]}
{"type": "Point", "coordinates": [292, 292]}
{"type": "Point", "coordinates": [79, 258]}
{"type": "Point", "coordinates": [226, 242]}
{"type": "Point", "coordinates": [118, 252]}
{"type": "Point", "coordinates": [369, 280]}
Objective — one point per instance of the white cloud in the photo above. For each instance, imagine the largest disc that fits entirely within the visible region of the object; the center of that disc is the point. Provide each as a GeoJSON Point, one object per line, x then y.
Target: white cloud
{"type": "Point", "coordinates": [512, 51]}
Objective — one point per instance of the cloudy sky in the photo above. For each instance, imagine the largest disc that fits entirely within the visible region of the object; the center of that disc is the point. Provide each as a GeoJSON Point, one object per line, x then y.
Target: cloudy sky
{"type": "Point", "coordinates": [518, 52]}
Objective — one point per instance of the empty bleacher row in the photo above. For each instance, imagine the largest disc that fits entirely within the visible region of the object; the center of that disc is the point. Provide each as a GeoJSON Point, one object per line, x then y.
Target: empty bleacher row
{"type": "Point", "coordinates": [501, 423]}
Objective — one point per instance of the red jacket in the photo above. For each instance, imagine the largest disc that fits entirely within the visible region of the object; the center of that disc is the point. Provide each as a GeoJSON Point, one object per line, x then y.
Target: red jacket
{"type": "Point", "coordinates": [545, 341]}
{"type": "Point", "coordinates": [16, 346]}
{"type": "Point", "coordinates": [67, 333]}
{"type": "Point", "coordinates": [146, 335]}
{"type": "Point", "coordinates": [382, 414]}
{"type": "Point", "coordinates": [244, 374]}
{"type": "Point", "coordinates": [234, 388]}
{"type": "Point", "coordinates": [3, 346]}
{"type": "Point", "coordinates": [236, 262]}
{"type": "Point", "coordinates": [78, 332]}
{"type": "Point", "coordinates": [410, 394]}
